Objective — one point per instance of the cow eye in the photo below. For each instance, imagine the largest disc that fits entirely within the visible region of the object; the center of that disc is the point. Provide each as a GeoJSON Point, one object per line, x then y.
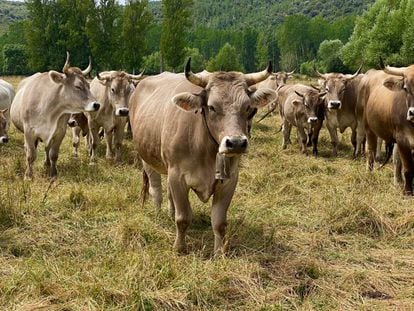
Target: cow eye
{"type": "Point", "coordinates": [112, 90]}
{"type": "Point", "coordinates": [327, 89]}
{"type": "Point", "coordinates": [78, 87]}
{"type": "Point", "coordinates": [211, 108]}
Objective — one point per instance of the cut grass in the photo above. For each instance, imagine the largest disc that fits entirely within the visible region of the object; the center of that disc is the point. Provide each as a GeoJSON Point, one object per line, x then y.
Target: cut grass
{"type": "Point", "coordinates": [304, 233]}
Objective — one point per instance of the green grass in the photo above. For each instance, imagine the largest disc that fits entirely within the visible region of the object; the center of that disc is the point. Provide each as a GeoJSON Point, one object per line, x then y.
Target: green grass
{"type": "Point", "coordinates": [304, 233]}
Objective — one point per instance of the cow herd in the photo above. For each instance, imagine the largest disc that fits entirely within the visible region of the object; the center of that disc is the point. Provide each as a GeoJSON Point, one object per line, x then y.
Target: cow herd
{"type": "Point", "coordinates": [194, 127]}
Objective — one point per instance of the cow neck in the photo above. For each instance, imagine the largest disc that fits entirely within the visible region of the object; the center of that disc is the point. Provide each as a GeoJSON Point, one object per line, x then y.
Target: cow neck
{"type": "Point", "coordinates": [203, 113]}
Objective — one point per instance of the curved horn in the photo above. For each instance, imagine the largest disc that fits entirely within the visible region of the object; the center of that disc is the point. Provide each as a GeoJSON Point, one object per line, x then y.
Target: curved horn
{"type": "Point", "coordinates": [395, 71]}
{"type": "Point", "coordinates": [350, 77]}
{"type": "Point", "coordinates": [316, 88]}
{"type": "Point", "coordinates": [102, 77]}
{"type": "Point", "coordinates": [136, 77]}
{"type": "Point", "coordinates": [299, 94]}
{"type": "Point", "coordinates": [291, 73]}
{"type": "Point", "coordinates": [89, 68]}
{"type": "Point", "coordinates": [253, 78]}
{"type": "Point", "coordinates": [194, 79]}
{"type": "Point", "coordinates": [66, 66]}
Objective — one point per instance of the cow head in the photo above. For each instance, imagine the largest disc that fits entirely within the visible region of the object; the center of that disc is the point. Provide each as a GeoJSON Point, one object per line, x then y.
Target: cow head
{"type": "Point", "coordinates": [76, 95]}
{"type": "Point", "coordinates": [119, 87]}
{"type": "Point", "coordinates": [308, 105]}
{"type": "Point", "coordinates": [227, 105]}
{"type": "Point", "coordinates": [281, 77]}
{"type": "Point", "coordinates": [402, 80]}
{"type": "Point", "coordinates": [335, 85]}
{"type": "Point", "coordinates": [3, 127]}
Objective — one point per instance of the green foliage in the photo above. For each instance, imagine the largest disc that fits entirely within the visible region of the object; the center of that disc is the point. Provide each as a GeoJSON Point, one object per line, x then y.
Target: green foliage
{"type": "Point", "coordinates": [385, 30]}
{"type": "Point", "coordinates": [152, 63]}
{"type": "Point", "coordinates": [175, 24]}
{"type": "Point", "coordinates": [329, 55]}
{"type": "Point", "coordinates": [11, 12]}
{"type": "Point", "coordinates": [197, 59]}
{"type": "Point", "coordinates": [226, 59]}
{"type": "Point", "coordinates": [262, 51]}
{"type": "Point", "coordinates": [14, 59]}
{"type": "Point", "coordinates": [136, 23]}
{"type": "Point", "coordinates": [306, 68]}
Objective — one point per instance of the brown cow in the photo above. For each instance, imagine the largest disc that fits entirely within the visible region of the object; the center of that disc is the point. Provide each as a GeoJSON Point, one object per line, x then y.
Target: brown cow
{"type": "Point", "coordinates": [341, 101]}
{"type": "Point", "coordinates": [194, 129]}
{"type": "Point", "coordinates": [112, 89]}
{"type": "Point", "coordinates": [42, 107]}
{"type": "Point", "coordinates": [301, 106]}
{"type": "Point", "coordinates": [388, 99]}
{"type": "Point", "coordinates": [78, 122]}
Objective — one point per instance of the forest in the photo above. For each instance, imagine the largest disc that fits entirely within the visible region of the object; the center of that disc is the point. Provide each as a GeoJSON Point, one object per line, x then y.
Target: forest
{"type": "Point", "coordinates": [227, 35]}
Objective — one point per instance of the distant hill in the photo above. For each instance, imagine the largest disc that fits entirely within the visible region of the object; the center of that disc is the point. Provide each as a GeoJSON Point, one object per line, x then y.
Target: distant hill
{"type": "Point", "coordinates": [264, 13]}
{"type": "Point", "coordinates": [11, 11]}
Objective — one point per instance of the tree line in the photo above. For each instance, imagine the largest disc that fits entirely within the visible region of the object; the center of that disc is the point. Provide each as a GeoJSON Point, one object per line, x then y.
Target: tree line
{"type": "Point", "coordinates": [130, 38]}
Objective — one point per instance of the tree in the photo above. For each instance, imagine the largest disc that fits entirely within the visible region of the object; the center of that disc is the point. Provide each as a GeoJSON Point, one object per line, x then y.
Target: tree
{"type": "Point", "coordinates": [329, 55]}
{"type": "Point", "coordinates": [136, 24]}
{"type": "Point", "coordinates": [262, 51]}
{"type": "Point", "coordinates": [197, 59]}
{"type": "Point", "coordinates": [176, 21]}
{"type": "Point", "coordinates": [227, 59]}
{"type": "Point", "coordinates": [15, 60]}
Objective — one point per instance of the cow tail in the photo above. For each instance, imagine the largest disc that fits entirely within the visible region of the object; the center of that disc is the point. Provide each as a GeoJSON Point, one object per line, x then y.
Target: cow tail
{"type": "Point", "coordinates": [389, 147]}
{"type": "Point", "coordinates": [145, 187]}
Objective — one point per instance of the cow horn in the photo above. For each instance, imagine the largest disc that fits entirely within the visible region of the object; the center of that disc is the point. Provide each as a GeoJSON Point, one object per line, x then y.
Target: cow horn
{"type": "Point", "coordinates": [253, 78]}
{"type": "Point", "coordinates": [66, 66]}
{"type": "Point", "coordinates": [350, 77]}
{"type": "Point", "coordinates": [89, 68]}
{"type": "Point", "coordinates": [291, 73]}
{"type": "Point", "coordinates": [136, 77]}
{"type": "Point", "coordinates": [194, 79]}
{"type": "Point", "coordinates": [395, 71]}
{"type": "Point", "coordinates": [316, 88]}
{"type": "Point", "coordinates": [299, 94]}
{"type": "Point", "coordinates": [103, 77]}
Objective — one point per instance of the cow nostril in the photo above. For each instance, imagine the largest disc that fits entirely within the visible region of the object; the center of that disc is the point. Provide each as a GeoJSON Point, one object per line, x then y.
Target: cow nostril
{"type": "Point", "coordinates": [244, 144]}
{"type": "Point", "coordinates": [5, 140]}
{"type": "Point", "coordinates": [96, 106]}
{"type": "Point", "coordinates": [411, 112]}
{"type": "Point", "coordinates": [229, 143]}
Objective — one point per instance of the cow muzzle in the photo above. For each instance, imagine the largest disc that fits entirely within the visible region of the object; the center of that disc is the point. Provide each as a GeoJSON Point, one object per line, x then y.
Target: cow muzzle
{"type": "Point", "coordinates": [122, 112]}
{"type": "Point", "coordinates": [4, 140]}
{"type": "Point", "coordinates": [72, 123]}
{"type": "Point", "coordinates": [334, 104]}
{"type": "Point", "coordinates": [233, 145]}
{"type": "Point", "coordinates": [312, 120]}
{"type": "Point", "coordinates": [410, 114]}
{"type": "Point", "coordinates": [93, 106]}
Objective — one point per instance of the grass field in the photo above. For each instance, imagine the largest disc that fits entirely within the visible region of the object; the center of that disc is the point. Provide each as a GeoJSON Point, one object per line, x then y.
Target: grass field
{"type": "Point", "coordinates": [304, 234]}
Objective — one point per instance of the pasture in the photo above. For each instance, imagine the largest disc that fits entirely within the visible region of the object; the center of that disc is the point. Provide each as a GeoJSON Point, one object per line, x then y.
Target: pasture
{"type": "Point", "coordinates": [304, 233]}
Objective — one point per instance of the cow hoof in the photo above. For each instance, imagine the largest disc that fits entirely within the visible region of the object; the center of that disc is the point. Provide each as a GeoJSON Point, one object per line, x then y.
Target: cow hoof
{"type": "Point", "coordinates": [284, 147]}
{"type": "Point", "coordinates": [181, 249]}
{"type": "Point", "coordinates": [28, 178]}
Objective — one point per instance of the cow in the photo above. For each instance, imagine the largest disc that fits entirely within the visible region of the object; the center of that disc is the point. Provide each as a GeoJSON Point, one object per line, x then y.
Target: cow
{"type": "Point", "coordinates": [78, 122]}
{"type": "Point", "coordinates": [6, 98]}
{"type": "Point", "coordinates": [42, 107]}
{"type": "Point", "coordinates": [194, 129]}
{"type": "Point", "coordinates": [301, 106]}
{"type": "Point", "coordinates": [112, 89]}
{"type": "Point", "coordinates": [341, 102]}
{"type": "Point", "coordinates": [275, 80]}
{"type": "Point", "coordinates": [388, 100]}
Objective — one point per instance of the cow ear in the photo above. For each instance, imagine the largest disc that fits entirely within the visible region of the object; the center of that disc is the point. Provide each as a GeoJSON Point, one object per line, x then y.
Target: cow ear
{"type": "Point", "coordinates": [296, 102]}
{"type": "Point", "coordinates": [262, 97]}
{"type": "Point", "coordinates": [188, 101]}
{"type": "Point", "coordinates": [57, 77]}
{"type": "Point", "coordinates": [394, 84]}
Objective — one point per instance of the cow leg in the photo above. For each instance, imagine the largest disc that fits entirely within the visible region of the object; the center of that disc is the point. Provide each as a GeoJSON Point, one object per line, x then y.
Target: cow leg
{"type": "Point", "coordinates": [408, 165]}
{"type": "Point", "coordinates": [171, 206]}
{"type": "Point", "coordinates": [183, 213]}
{"type": "Point", "coordinates": [94, 139]}
{"type": "Point", "coordinates": [30, 148]}
{"type": "Point", "coordinates": [47, 162]}
{"type": "Point", "coordinates": [303, 140]}
{"type": "Point", "coordinates": [118, 138]}
{"type": "Point", "coordinates": [372, 147]}
{"type": "Point", "coordinates": [54, 153]}
{"type": "Point", "coordinates": [286, 129]}
{"type": "Point", "coordinates": [315, 138]}
{"type": "Point", "coordinates": [354, 140]}
{"type": "Point", "coordinates": [109, 137]}
{"type": "Point", "coordinates": [398, 178]}
{"type": "Point", "coordinates": [334, 138]}
{"type": "Point", "coordinates": [155, 187]}
{"type": "Point", "coordinates": [378, 150]}
{"type": "Point", "coordinates": [221, 202]}
{"type": "Point", "coordinates": [360, 144]}
{"type": "Point", "coordinates": [310, 134]}
{"type": "Point", "coordinates": [75, 140]}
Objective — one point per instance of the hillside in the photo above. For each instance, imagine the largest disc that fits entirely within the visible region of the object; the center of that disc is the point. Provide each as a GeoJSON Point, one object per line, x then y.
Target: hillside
{"type": "Point", "coordinates": [263, 13]}
{"type": "Point", "coordinates": [11, 11]}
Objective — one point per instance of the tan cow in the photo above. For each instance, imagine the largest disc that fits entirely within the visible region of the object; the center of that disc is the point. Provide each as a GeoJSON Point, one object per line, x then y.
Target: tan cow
{"type": "Point", "coordinates": [3, 126]}
{"type": "Point", "coordinates": [275, 80]}
{"type": "Point", "coordinates": [112, 89]}
{"type": "Point", "coordinates": [78, 122]}
{"type": "Point", "coordinates": [341, 101]}
{"type": "Point", "coordinates": [301, 106]}
{"type": "Point", "coordinates": [42, 107]}
{"type": "Point", "coordinates": [194, 129]}
{"type": "Point", "coordinates": [388, 99]}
